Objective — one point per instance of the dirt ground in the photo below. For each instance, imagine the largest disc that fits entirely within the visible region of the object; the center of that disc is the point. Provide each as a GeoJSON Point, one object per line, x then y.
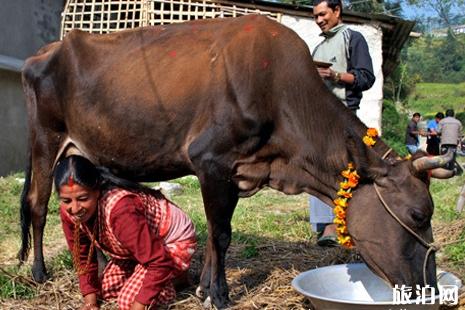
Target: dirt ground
{"type": "Point", "coordinates": [260, 282]}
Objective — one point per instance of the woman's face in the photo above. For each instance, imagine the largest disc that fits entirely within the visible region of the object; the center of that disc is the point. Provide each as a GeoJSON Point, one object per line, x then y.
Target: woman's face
{"type": "Point", "coordinates": [79, 201]}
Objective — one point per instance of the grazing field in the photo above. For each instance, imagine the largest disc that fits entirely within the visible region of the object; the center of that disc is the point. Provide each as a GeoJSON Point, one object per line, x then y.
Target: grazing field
{"type": "Point", "coordinates": [430, 98]}
{"type": "Point", "coordinates": [272, 243]}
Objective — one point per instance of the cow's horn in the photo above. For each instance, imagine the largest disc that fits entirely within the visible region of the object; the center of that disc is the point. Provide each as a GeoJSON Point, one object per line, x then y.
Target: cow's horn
{"type": "Point", "coordinates": [426, 163]}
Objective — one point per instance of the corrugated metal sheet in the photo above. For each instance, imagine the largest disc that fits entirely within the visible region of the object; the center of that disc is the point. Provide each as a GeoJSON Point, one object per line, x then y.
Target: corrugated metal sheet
{"type": "Point", "coordinates": [393, 41]}
{"type": "Point", "coordinates": [10, 63]}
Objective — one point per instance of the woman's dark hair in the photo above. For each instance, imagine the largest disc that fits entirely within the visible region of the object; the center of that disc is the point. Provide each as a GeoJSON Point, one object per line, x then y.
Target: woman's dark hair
{"type": "Point", "coordinates": [79, 170]}
{"type": "Point", "coordinates": [332, 4]}
{"type": "Point", "coordinates": [76, 169]}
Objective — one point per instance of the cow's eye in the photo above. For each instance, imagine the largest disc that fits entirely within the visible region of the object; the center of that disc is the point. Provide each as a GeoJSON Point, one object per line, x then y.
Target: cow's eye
{"type": "Point", "coordinates": [420, 218]}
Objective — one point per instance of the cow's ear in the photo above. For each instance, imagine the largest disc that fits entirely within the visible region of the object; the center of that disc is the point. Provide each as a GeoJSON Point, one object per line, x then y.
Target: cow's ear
{"type": "Point", "coordinates": [369, 165]}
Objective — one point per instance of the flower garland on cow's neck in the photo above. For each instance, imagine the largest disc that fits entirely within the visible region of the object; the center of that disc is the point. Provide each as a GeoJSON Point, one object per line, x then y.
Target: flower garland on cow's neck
{"type": "Point", "coordinates": [347, 186]}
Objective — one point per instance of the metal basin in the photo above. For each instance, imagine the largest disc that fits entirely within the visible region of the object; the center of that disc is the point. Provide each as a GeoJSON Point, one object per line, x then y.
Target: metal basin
{"type": "Point", "coordinates": [354, 286]}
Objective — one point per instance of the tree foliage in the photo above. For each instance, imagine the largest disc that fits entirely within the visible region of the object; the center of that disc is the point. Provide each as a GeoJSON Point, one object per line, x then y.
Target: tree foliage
{"type": "Point", "coordinates": [375, 6]}
{"type": "Point", "coordinates": [394, 124]}
{"type": "Point", "coordinates": [447, 10]}
{"type": "Point", "coordinates": [297, 2]}
{"type": "Point", "coordinates": [400, 84]}
{"type": "Point", "coordinates": [437, 59]}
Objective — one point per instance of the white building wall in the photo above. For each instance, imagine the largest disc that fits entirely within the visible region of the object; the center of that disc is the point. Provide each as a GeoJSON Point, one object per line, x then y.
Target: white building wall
{"type": "Point", "coordinates": [372, 101]}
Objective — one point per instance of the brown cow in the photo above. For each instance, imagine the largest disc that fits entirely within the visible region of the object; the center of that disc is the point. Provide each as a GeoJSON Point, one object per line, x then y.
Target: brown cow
{"type": "Point", "coordinates": [237, 102]}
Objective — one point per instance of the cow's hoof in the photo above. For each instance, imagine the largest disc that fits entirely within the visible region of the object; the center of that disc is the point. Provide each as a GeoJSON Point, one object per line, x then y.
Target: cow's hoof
{"type": "Point", "coordinates": [201, 292]}
{"type": "Point", "coordinates": [220, 304]}
{"type": "Point", "coordinates": [207, 304]}
{"type": "Point", "coordinates": [39, 277]}
{"type": "Point", "coordinates": [39, 274]}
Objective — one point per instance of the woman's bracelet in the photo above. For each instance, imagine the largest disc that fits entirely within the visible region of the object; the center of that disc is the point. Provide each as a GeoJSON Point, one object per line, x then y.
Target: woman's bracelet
{"type": "Point", "coordinates": [91, 306]}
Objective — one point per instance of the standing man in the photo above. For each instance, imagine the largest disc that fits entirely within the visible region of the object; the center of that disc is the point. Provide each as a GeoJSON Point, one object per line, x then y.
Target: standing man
{"type": "Point", "coordinates": [352, 70]}
{"type": "Point", "coordinates": [351, 73]}
{"type": "Point", "coordinates": [432, 140]}
{"type": "Point", "coordinates": [450, 130]}
{"type": "Point", "coordinates": [411, 135]}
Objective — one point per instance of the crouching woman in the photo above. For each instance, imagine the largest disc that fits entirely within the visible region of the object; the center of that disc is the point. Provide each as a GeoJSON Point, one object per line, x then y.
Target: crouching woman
{"type": "Point", "coordinates": [150, 242]}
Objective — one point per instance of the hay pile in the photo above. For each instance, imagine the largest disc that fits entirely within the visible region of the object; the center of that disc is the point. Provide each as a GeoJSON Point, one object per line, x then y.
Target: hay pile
{"type": "Point", "coordinates": [260, 282]}
{"type": "Point", "coordinates": [263, 282]}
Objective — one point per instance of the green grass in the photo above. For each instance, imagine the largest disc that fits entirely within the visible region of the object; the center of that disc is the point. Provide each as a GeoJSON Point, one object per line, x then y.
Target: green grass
{"type": "Point", "coordinates": [430, 98]}
{"type": "Point", "coordinates": [268, 214]}
{"type": "Point", "coordinates": [14, 288]}
{"type": "Point", "coordinates": [445, 194]}
{"type": "Point", "coordinates": [456, 253]}
{"type": "Point", "coordinates": [267, 217]}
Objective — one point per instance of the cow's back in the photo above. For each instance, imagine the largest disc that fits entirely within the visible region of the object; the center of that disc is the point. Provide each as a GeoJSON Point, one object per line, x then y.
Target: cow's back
{"type": "Point", "coordinates": [145, 94]}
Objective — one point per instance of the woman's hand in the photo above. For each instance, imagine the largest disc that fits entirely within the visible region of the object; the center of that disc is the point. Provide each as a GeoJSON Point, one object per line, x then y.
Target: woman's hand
{"type": "Point", "coordinates": [90, 302]}
{"type": "Point", "coordinates": [90, 307]}
{"type": "Point", "coordinates": [137, 306]}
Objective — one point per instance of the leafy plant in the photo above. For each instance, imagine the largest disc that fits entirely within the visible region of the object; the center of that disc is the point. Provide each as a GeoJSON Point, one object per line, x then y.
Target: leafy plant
{"type": "Point", "coordinates": [394, 124]}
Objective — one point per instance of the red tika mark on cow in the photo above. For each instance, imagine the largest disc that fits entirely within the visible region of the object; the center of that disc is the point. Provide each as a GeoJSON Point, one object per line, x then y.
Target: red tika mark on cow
{"type": "Point", "coordinates": [248, 28]}
{"type": "Point", "coordinates": [265, 63]}
{"type": "Point", "coordinates": [195, 28]}
{"type": "Point", "coordinates": [172, 54]}
{"type": "Point", "coordinates": [70, 181]}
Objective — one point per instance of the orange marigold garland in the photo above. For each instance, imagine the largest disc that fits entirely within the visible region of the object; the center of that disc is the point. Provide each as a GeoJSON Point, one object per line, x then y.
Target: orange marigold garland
{"type": "Point", "coordinates": [341, 203]}
{"type": "Point", "coordinates": [370, 138]}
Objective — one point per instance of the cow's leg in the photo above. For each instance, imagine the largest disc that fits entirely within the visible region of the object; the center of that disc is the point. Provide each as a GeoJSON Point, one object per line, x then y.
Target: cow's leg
{"type": "Point", "coordinates": [38, 198]}
{"type": "Point", "coordinates": [44, 152]}
{"type": "Point", "coordinates": [220, 199]}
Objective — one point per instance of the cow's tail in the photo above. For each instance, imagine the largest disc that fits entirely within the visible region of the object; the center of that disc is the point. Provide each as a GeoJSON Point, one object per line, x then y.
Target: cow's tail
{"type": "Point", "coordinates": [25, 214]}
{"type": "Point", "coordinates": [25, 208]}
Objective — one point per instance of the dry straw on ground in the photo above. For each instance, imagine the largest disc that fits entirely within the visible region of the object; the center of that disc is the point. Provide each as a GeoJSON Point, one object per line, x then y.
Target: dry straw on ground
{"type": "Point", "coordinates": [261, 282]}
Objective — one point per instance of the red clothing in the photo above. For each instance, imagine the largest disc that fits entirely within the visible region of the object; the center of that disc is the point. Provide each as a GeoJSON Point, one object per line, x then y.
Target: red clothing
{"type": "Point", "coordinates": [135, 228]}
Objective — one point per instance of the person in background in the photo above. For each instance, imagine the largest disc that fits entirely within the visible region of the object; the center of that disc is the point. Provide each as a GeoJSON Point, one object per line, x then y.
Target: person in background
{"type": "Point", "coordinates": [412, 134]}
{"type": "Point", "coordinates": [432, 139]}
{"type": "Point", "coordinates": [350, 73]}
{"type": "Point", "coordinates": [150, 242]}
{"type": "Point", "coordinates": [450, 130]}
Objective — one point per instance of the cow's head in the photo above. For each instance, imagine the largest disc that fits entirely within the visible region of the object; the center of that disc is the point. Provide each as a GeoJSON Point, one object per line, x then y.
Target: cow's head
{"type": "Point", "coordinates": [390, 250]}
